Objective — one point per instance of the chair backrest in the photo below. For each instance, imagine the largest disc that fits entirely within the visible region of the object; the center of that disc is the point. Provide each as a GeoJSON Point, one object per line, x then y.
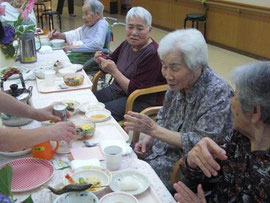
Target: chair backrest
{"type": "Point", "coordinates": [109, 38]}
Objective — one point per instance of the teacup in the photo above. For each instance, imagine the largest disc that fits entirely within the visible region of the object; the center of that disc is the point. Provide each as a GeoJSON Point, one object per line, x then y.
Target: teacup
{"type": "Point", "coordinates": [113, 157]}
{"type": "Point", "coordinates": [44, 150]}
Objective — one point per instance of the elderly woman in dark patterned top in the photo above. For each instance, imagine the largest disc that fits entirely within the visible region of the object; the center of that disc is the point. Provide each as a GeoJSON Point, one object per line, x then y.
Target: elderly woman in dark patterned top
{"type": "Point", "coordinates": [135, 64]}
{"type": "Point", "coordinates": [196, 105]}
{"type": "Point", "coordinates": [243, 162]}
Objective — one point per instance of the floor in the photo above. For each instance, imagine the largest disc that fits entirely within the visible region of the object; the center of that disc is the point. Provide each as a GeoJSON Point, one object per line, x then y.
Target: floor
{"type": "Point", "coordinates": [220, 60]}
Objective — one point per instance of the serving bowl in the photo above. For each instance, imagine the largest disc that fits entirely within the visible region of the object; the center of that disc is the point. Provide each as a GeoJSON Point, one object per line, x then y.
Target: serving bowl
{"type": "Point", "coordinates": [73, 79]}
{"type": "Point", "coordinates": [85, 129]}
{"type": "Point", "coordinates": [93, 176]}
{"type": "Point", "coordinates": [57, 43]}
{"type": "Point", "coordinates": [80, 197]}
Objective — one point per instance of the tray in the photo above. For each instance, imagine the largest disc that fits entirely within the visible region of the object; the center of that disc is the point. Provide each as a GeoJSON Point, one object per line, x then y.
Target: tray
{"type": "Point", "coordinates": [109, 131]}
{"type": "Point", "coordinates": [43, 88]}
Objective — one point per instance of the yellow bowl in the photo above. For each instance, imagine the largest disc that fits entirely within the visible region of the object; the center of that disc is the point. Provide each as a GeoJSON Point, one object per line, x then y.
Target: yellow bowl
{"type": "Point", "coordinates": [73, 79]}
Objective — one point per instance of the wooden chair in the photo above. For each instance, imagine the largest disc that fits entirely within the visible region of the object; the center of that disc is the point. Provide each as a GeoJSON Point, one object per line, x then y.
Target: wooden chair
{"type": "Point", "coordinates": [132, 97]}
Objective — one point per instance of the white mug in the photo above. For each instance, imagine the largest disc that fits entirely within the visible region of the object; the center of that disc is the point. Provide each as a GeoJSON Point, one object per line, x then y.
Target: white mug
{"type": "Point", "coordinates": [113, 157]}
{"type": "Point", "coordinates": [49, 77]}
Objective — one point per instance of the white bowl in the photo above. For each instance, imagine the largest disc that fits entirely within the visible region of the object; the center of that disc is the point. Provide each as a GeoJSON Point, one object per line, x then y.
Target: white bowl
{"type": "Point", "coordinates": [99, 174]}
{"type": "Point", "coordinates": [79, 197]}
{"type": "Point", "coordinates": [98, 115]}
{"type": "Point", "coordinates": [91, 106]}
{"type": "Point", "coordinates": [72, 106]}
{"type": "Point", "coordinates": [39, 72]}
{"type": "Point", "coordinates": [115, 197]}
{"type": "Point", "coordinates": [57, 43]}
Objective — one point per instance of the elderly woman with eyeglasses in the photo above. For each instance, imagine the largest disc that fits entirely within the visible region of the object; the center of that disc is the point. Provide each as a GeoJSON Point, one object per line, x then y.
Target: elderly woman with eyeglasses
{"type": "Point", "coordinates": [12, 12]}
{"type": "Point", "coordinates": [92, 34]}
{"type": "Point", "coordinates": [134, 65]}
{"type": "Point", "coordinates": [242, 163]}
{"type": "Point", "coordinates": [196, 105]}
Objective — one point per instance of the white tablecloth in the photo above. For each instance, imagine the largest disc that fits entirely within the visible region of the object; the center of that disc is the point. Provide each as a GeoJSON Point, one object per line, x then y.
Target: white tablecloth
{"type": "Point", "coordinates": [39, 100]}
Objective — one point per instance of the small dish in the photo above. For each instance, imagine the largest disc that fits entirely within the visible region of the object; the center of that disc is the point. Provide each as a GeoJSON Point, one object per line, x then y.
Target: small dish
{"type": "Point", "coordinates": [91, 176]}
{"type": "Point", "coordinates": [82, 197]}
{"type": "Point", "coordinates": [57, 43]}
{"type": "Point", "coordinates": [73, 79]}
{"type": "Point", "coordinates": [129, 181]}
{"type": "Point", "coordinates": [116, 197]}
{"type": "Point", "coordinates": [85, 129]}
{"type": "Point", "coordinates": [71, 105]}
{"type": "Point", "coordinates": [91, 106]}
{"type": "Point", "coordinates": [98, 115]}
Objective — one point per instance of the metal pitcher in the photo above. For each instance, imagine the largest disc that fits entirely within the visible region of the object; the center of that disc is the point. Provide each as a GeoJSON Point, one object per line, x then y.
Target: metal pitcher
{"type": "Point", "coordinates": [28, 49]}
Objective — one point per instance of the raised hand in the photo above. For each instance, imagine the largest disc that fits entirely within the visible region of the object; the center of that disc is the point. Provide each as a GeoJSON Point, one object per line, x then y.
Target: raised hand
{"type": "Point", "coordinates": [203, 155]}
{"type": "Point", "coordinates": [185, 195]}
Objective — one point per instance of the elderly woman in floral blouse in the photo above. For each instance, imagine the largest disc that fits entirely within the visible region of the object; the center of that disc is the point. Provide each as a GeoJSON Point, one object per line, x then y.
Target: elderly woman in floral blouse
{"type": "Point", "coordinates": [196, 105]}
{"type": "Point", "coordinates": [243, 163]}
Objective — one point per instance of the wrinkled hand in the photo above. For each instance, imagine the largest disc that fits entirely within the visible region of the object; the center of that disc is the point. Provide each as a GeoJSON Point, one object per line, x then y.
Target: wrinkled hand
{"type": "Point", "coordinates": [185, 195]}
{"type": "Point", "coordinates": [107, 65]}
{"type": "Point", "coordinates": [46, 113]}
{"type": "Point", "coordinates": [56, 35]}
{"type": "Point", "coordinates": [142, 148]}
{"type": "Point", "coordinates": [97, 56]}
{"type": "Point", "coordinates": [68, 48]}
{"type": "Point", "coordinates": [139, 122]}
{"type": "Point", "coordinates": [61, 131]}
{"type": "Point", "coordinates": [203, 155]}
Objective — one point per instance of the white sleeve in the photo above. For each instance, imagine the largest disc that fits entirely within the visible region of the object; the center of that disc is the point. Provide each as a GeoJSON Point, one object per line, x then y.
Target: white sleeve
{"type": "Point", "coordinates": [95, 38]}
{"type": "Point", "coordinates": [73, 35]}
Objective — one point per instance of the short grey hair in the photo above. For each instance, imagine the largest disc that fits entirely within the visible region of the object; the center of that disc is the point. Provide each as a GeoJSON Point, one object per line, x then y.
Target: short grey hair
{"type": "Point", "coordinates": [95, 5]}
{"type": "Point", "coordinates": [140, 12]}
{"type": "Point", "coordinates": [252, 82]}
{"type": "Point", "coordinates": [190, 43]}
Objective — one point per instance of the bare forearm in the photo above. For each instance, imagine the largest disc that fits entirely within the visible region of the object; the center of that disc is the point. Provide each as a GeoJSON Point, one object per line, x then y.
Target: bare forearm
{"type": "Point", "coordinates": [122, 80]}
{"type": "Point", "coordinates": [171, 137]}
{"type": "Point", "coordinates": [13, 139]}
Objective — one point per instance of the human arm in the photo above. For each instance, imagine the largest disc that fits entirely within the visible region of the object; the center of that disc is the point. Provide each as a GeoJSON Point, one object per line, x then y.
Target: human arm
{"type": "Point", "coordinates": [13, 139]}
{"type": "Point", "coordinates": [9, 104]}
{"type": "Point", "coordinates": [185, 195]}
{"type": "Point", "coordinates": [56, 35]}
{"type": "Point", "coordinates": [145, 124]}
{"type": "Point", "coordinates": [142, 147]}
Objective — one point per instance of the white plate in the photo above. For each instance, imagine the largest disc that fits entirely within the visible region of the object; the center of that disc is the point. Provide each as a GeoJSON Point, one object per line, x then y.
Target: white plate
{"type": "Point", "coordinates": [101, 175]}
{"type": "Point", "coordinates": [18, 153]}
{"type": "Point", "coordinates": [22, 69]}
{"type": "Point", "coordinates": [105, 115]}
{"type": "Point", "coordinates": [115, 197]}
{"type": "Point", "coordinates": [91, 106]}
{"type": "Point", "coordinates": [139, 179]}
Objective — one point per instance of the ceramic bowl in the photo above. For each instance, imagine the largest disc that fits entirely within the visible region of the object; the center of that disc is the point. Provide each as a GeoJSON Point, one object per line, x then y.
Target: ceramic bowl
{"type": "Point", "coordinates": [57, 43]}
{"type": "Point", "coordinates": [39, 72]}
{"type": "Point", "coordinates": [116, 197]}
{"type": "Point", "coordinates": [80, 197]}
{"type": "Point", "coordinates": [98, 115]}
{"type": "Point", "coordinates": [73, 79]}
{"type": "Point", "coordinates": [91, 106]}
{"type": "Point", "coordinates": [85, 129]}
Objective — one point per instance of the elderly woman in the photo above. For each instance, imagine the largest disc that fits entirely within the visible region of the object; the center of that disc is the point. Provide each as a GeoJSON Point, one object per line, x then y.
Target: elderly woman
{"type": "Point", "coordinates": [244, 160]}
{"type": "Point", "coordinates": [92, 34]}
{"type": "Point", "coordinates": [12, 11]}
{"type": "Point", "coordinates": [134, 64]}
{"type": "Point", "coordinates": [197, 104]}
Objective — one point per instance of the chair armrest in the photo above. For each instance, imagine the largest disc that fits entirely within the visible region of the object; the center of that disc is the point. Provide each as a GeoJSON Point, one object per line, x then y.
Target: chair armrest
{"type": "Point", "coordinates": [95, 80]}
{"type": "Point", "coordinates": [153, 110]}
{"type": "Point", "coordinates": [82, 50]}
{"type": "Point", "coordinates": [139, 92]}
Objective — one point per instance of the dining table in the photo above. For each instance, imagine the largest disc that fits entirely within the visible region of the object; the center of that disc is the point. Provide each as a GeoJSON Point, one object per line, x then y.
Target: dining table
{"type": "Point", "coordinates": [109, 129]}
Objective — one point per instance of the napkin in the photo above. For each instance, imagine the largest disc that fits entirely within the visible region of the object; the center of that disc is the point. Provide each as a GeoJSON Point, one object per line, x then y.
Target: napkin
{"type": "Point", "coordinates": [125, 146]}
{"type": "Point", "coordinates": [95, 163]}
{"type": "Point", "coordinates": [86, 153]}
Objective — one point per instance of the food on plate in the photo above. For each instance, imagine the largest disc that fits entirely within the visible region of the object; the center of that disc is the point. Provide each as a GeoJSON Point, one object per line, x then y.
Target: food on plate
{"type": "Point", "coordinates": [84, 132]}
{"type": "Point", "coordinates": [7, 72]}
{"type": "Point", "coordinates": [98, 116]}
{"type": "Point", "coordinates": [91, 180]}
{"type": "Point", "coordinates": [128, 183]}
{"type": "Point", "coordinates": [70, 179]}
{"type": "Point", "coordinates": [71, 106]}
{"type": "Point", "coordinates": [73, 79]}
{"type": "Point", "coordinates": [70, 188]}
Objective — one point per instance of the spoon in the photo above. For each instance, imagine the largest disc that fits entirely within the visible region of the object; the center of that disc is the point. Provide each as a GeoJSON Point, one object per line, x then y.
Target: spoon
{"type": "Point", "coordinates": [90, 144]}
